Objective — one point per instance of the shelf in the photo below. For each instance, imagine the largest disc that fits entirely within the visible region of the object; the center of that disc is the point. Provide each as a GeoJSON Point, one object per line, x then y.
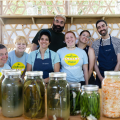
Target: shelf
{"type": "Point", "coordinates": [71, 19]}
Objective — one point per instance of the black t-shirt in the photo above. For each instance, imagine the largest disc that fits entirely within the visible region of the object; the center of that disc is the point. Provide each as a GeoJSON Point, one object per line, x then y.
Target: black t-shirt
{"type": "Point", "coordinates": [57, 40]}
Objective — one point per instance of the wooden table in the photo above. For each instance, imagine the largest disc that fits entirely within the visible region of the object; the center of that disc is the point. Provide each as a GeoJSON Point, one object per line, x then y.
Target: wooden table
{"type": "Point", "coordinates": [45, 118]}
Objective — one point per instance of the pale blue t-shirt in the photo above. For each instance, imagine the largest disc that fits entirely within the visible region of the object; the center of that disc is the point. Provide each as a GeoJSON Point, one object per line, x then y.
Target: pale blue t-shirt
{"type": "Point", "coordinates": [6, 66]}
{"type": "Point", "coordinates": [17, 63]}
{"type": "Point", "coordinates": [72, 62]}
{"type": "Point", "coordinates": [32, 55]}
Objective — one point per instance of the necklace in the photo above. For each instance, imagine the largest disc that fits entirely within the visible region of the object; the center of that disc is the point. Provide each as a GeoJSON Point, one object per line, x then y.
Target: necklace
{"type": "Point", "coordinates": [71, 47]}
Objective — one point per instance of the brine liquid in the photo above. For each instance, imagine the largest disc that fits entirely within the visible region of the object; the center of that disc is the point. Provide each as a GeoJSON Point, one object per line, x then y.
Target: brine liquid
{"type": "Point", "coordinates": [12, 100]}
{"type": "Point", "coordinates": [58, 114]}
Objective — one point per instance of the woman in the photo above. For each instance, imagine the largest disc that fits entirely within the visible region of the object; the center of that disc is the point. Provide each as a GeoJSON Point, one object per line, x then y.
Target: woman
{"type": "Point", "coordinates": [84, 37]}
{"type": "Point", "coordinates": [17, 59]}
{"type": "Point", "coordinates": [44, 59]}
{"type": "Point", "coordinates": [3, 58]}
{"type": "Point", "coordinates": [74, 60]}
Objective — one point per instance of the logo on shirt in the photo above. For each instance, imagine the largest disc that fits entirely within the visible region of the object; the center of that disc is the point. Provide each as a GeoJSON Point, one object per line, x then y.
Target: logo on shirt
{"type": "Point", "coordinates": [0, 74]}
{"type": "Point", "coordinates": [71, 59]}
{"type": "Point", "coordinates": [19, 66]}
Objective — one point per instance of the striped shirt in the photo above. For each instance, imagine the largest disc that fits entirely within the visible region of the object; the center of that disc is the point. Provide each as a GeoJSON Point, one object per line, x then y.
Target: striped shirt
{"type": "Point", "coordinates": [115, 42]}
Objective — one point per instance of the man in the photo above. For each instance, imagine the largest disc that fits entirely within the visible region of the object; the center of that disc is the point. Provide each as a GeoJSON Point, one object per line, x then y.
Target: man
{"type": "Point", "coordinates": [107, 52]}
{"type": "Point", "coordinates": [57, 35]}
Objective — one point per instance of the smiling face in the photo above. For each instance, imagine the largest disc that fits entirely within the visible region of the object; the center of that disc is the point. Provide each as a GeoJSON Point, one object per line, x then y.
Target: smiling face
{"type": "Point", "coordinates": [102, 29]}
{"type": "Point", "coordinates": [70, 39]}
{"type": "Point", "coordinates": [3, 56]}
{"type": "Point", "coordinates": [20, 46]}
{"type": "Point", "coordinates": [44, 42]}
{"type": "Point", "coordinates": [84, 37]}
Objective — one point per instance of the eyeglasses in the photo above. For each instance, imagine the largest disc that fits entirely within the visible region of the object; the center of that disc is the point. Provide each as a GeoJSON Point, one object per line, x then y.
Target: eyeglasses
{"type": "Point", "coordinates": [61, 22]}
{"type": "Point", "coordinates": [86, 36]}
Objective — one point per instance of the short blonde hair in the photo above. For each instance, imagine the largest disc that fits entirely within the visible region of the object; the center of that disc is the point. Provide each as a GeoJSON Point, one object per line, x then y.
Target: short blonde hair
{"type": "Point", "coordinates": [20, 39]}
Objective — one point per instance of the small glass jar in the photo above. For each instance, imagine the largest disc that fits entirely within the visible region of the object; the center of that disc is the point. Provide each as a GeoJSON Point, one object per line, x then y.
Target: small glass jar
{"type": "Point", "coordinates": [58, 97]}
{"type": "Point", "coordinates": [12, 94]}
{"type": "Point", "coordinates": [74, 98]}
{"type": "Point", "coordinates": [111, 94]}
{"type": "Point", "coordinates": [34, 95]}
{"type": "Point", "coordinates": [90, 102]}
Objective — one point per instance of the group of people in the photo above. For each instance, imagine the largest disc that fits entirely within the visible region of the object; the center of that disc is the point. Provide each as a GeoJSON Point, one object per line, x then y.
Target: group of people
{"type": "Point", "coordinates": [53, 51]}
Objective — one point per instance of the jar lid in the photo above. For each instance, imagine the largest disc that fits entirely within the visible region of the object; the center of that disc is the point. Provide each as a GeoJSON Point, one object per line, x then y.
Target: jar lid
{"type": "Point", "coordinates": [112, 73]}
{"type": "Point", "coordinates": [13, 72]}
{"type": "Point", "coordinates": [83, 87]}
{"type": "Point", "coordinates": [34, 73]}
{"type": "Point", "coordinates": [91, 87]}
{"type": "Point", "coordinates": [7, 70]}
{"type": "Point", "coordinates": [57, 74]}
{"type": "Point", "coordinates": [75, 84]}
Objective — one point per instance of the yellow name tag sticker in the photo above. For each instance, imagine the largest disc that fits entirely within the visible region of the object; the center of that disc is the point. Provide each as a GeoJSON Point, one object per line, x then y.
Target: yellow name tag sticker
{"type": "Point", "coordinates": [19, 66]}
{"type": "Point", "coordinates": [71, 59]}
{"type": "Point", "coordinates": [0, 74]}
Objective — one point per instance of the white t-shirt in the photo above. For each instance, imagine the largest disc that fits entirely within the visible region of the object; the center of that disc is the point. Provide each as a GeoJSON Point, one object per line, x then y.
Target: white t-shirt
{"type": "Point", "coordinates": [72, 62]}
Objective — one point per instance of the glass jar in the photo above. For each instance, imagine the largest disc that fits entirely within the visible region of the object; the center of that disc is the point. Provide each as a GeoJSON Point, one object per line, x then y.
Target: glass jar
{"type": "Point", "coordinates": [1, 79]}
{"type": "Point", "coordinates": [34, 95]}
{"type": "Point", "coordinates": [90, 102]}
{"type": "Point", "coordinates": [111, 94]}
{"type": "Point", "coordinates": [74, 98]}
{"type": "Point", "coordinates": [12, 94]}
{"type": "Point", "coordinates": [58, 97]}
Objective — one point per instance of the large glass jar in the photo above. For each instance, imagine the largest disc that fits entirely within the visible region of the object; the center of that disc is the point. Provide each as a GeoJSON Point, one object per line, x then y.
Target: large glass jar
{"type": "Point", "coordinates": [74, 98]}
{"type": "Point", "coordinates": [12, 94]}
{"type": "Point", "coordinates": [90, 102]}
{"type": "Point", "coordinates": [1, 79]}
{"type": "Point", "coordinates": [34, 95]}
{"type": "Point", "coordinates": [111, 94]}
{"type": "Point", "coordinates": [58, 97]}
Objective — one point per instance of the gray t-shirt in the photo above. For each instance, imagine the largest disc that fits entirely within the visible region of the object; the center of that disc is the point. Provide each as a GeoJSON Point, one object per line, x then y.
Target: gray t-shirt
{"type": "Point", "coordinates": [115, 42]}
{"type": "Point", "coordinates": [17, 63]}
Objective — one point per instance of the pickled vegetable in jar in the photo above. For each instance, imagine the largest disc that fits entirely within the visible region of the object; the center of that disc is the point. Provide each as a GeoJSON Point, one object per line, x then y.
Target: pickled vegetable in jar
{"type": "Point", "coordinates": [34, 95]}
{"type": "Point", "coordinates": [74, 98]}
{"type": "Point", "coordinates": [1, 79]}
{"type": "Point", "coordinates": [12, 94]}
{"type": "Point", "coordinates": [90, 102]}
{"type": "Point", "coordinates": [111, 94]}
{"type": "Point", "coordinates": [58, 97]}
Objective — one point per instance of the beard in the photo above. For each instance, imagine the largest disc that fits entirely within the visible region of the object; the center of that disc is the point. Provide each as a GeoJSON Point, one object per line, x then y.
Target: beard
{"type": "Point", "coordinates": [57, 28]}
{"type": "Point", "coordinates": [103, 34]}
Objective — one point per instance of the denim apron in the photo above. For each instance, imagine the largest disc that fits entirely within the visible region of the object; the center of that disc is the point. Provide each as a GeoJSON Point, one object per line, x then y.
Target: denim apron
{"type": "Point", "coordinates": [43, 65]}
{"type": "Point", "coordinates": [107, 59]}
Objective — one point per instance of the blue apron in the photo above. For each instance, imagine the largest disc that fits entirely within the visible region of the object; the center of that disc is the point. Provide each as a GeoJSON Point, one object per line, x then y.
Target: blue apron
{"type": "Point", "coordinates": [107, 59]}
{"type": "Point", "coordinates": [43, 65]}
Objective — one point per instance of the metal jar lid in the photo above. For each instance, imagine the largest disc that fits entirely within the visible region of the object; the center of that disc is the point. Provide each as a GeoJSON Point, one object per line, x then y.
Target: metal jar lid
{"type": "Point", "coordinates": [13, 73]}
{"type": "Point", "coordinates": [74, 85]}
{"type": "Point", "coordinates": [112, 73]}
{"type": "Point", "coordinates": [91, 87]}
{"type": "Point", "coordinates": [57, 74]}
{"type": "Point", "coordinates": [34, 73]}
{"type": "Point", "coordinates": [7, 70]}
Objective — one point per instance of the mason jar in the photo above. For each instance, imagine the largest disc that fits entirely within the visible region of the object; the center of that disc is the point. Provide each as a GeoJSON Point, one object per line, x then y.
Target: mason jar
{"type": "Point", "coordinates": [111, 94]}
{"type": "Point", "coordinates": [90, 102]}
{"type": "Point", "coordinates": [34, 95]}
{"type": "Point", "coordinates": [12, 94]}
{"type": "Point", "coordinates": [58, 97]}
{"type": "Point", "coordinates": [74, 98]}
{"type": "Point", "coordinates": [1, 79]}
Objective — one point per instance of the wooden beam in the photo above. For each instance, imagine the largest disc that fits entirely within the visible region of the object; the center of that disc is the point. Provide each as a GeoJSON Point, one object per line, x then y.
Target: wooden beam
{"type": "Point", "coordinates": [33, 20]}
{"type": "Point", "coordinates": [71, 19]}
{"type": "Point", "coordinates": [2, 21]}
